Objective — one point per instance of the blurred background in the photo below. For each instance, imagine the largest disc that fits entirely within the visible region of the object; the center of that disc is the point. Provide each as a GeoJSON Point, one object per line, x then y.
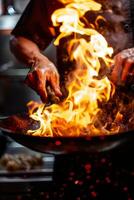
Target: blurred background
{"type": "Point", "coordinates": [14, 95]}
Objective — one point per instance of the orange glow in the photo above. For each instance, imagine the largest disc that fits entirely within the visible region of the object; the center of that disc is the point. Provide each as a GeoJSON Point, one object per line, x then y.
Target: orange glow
{"type": "Point", "coordinates": [75, 116]}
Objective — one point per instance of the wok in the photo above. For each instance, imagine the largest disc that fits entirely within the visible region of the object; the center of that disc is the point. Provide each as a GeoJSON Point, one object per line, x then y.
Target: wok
{"type": "Point", "coordinates": [16, 127]}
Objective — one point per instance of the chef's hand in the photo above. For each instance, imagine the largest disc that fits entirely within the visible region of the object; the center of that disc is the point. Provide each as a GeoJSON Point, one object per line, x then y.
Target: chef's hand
{"type": "Point", "coordinates": [44, 71]}
{"type": "Point", "coordinates": [123, 66]}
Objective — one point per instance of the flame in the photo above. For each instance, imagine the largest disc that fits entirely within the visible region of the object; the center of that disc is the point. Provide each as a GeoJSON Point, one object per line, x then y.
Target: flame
{"type": "Point", "coordinates": [78, 112]}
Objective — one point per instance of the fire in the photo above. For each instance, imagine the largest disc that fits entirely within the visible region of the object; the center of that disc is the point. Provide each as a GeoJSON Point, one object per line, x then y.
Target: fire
{"type": "Point", "coordinates": [78, 112]}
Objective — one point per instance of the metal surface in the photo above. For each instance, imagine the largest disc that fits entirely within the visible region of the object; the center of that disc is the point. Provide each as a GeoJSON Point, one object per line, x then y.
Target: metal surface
{"type": "Point", "coordinates": [8, 22]}
{"type": "Point", "coordinates": [61, 145]}
{"type": "Point", "coordinates": [14, 74]}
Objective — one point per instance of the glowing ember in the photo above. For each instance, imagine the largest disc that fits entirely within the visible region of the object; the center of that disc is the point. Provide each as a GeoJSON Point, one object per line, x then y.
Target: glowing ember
{"type": "Point", "coordinates": [76, 115]}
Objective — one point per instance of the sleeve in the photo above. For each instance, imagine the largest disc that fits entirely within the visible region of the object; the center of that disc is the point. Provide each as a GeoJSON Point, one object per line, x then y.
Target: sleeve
{"type": "Point", "coordinates": [35, 23]}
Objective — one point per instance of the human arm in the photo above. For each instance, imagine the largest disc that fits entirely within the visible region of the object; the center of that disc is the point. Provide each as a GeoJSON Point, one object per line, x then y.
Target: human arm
{"type": "Point", "coordinates": [43, 70]}
{"type": "Point", "coordinates": [30, 36]}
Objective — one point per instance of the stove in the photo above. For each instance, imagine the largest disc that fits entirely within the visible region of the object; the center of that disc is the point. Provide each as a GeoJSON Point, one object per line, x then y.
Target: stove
{"type": "Point", "coordinates": [23, 184]}
{"type": "Point", "coordinates": [103, 176]}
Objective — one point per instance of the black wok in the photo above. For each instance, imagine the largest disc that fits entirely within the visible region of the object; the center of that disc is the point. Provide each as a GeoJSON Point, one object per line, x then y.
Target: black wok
{"type": "Point", "coordinates": [17, 126]}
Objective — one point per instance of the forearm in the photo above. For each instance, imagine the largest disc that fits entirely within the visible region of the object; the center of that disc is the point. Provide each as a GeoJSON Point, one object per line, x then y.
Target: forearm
{"type": "Point", "coordinates": [43, 69]}
{"type": "Point", "coordinates": [26, 51]}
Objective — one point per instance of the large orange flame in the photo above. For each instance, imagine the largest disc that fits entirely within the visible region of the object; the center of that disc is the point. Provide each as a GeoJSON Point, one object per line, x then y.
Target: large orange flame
{"type": "Point", "coordinates": [77, 113]}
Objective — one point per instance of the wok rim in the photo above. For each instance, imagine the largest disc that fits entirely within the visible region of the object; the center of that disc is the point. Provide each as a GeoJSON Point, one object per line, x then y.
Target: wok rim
{"type": "Point", "coordinates": [62, 144]}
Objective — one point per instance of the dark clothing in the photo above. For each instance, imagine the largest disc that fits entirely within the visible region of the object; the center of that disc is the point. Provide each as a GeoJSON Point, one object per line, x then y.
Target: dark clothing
{"type": "Point", "coordinates": [35, 24]}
